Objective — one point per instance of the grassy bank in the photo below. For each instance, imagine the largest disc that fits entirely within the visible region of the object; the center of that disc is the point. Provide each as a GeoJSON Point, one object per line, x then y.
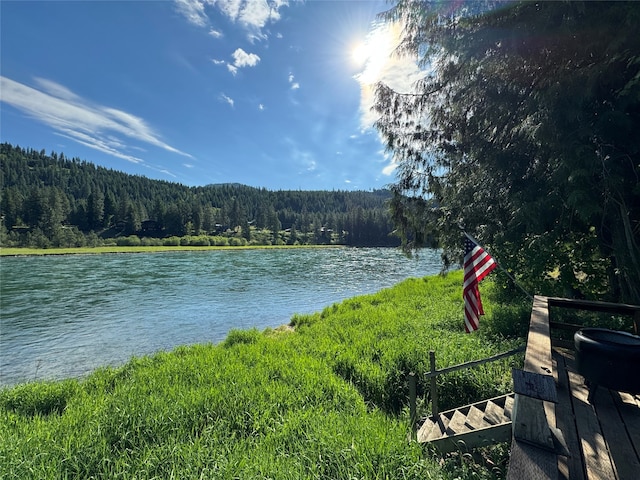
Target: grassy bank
{"type": "Point", "coordinates": [326, 401]}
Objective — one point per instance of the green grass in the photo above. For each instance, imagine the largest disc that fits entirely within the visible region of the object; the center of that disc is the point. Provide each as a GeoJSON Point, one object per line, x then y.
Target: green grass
{"type": "Point", "coordinates": [327, 401]}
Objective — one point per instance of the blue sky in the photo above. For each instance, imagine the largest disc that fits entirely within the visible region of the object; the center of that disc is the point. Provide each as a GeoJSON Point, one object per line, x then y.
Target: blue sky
{"type": "Point", "coordinates": [272, 94]}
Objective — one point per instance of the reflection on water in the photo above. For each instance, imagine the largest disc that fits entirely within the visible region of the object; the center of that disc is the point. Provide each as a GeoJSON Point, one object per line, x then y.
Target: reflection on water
{"type": "Point", "coordinates": [63, 316]}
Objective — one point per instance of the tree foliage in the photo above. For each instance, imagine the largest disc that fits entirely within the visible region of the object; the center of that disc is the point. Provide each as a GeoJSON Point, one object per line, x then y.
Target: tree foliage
{"type": "Point", "coordinates": [49, 201]}
{"type": "Point", "coordinates": [523, 131]}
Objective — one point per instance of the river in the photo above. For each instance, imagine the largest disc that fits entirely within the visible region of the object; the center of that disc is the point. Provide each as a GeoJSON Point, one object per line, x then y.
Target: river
{"type": "Point", "coordinates": [64, 316]}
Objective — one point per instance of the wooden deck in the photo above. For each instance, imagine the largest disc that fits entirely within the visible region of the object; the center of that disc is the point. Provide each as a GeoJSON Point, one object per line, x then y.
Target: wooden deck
{"type": "Point", "coordinates": [566, 437]}
{"type": "Point", "coordinates": [556, 433]}
{"type": "Point", "coordinates": [604, 438]}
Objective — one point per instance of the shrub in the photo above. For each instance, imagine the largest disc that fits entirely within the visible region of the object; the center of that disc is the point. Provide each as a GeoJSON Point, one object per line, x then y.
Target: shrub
{"type": "Point", "coordinates": [171, 242]}
{"type": "Point", "coordinates": [237, 242]}
{"type": "Point", "coordinates": [219, 241]}
{"type": "Point", "coordinates": [200, 241]}
{"type": "Point", "coordinates": [150, 242]}
{"type": "Point", "coordinates": [130, 241]}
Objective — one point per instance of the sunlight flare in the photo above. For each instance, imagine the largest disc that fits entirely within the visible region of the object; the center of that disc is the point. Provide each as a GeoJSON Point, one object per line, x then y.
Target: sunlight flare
{"type": "Point", "coordinates": [374, 53]}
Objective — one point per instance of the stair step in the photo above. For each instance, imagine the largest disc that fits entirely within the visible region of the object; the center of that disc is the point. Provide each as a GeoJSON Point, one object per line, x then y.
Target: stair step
{"type": "Point", "coordinates": [457, 423]}
{"type": "Point", "coordinates": [508, 406]}
{"type": "Point", "coordinates": [482, 423]}
{"type": "Point", "coordinates": [425, 430]}
{"type": "Point", "coordinates": [432, 429]}
{"type": "Point", "coordinates": [475, 419]}
{"type": "Point", "coordinates": [439, 428]}
{"type": "Point", "coordinates": [494, 414]}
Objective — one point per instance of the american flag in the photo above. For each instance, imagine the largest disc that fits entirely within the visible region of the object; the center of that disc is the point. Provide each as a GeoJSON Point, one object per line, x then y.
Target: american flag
{"type": "Point", "coordinates": [477, 265]}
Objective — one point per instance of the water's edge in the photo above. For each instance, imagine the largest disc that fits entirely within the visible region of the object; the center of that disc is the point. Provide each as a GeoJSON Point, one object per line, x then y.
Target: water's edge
{"type": "Point", "coordinates": [65, 316]}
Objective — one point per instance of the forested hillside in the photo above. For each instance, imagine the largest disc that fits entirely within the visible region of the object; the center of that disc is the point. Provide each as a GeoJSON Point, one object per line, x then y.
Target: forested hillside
{"type": "Point", "coordinates": [48, 200]}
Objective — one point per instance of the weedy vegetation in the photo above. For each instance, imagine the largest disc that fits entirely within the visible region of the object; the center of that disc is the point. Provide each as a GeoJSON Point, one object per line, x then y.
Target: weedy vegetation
{"type": "Point", "coordinates": [328, 400]}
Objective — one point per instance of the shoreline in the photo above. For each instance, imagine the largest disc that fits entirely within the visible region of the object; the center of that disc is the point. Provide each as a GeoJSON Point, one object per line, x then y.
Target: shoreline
{"type": "Point", "coordinates": [35, 252]}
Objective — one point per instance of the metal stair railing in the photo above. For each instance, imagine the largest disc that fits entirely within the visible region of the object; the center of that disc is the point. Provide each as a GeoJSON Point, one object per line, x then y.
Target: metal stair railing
{"type": "Point", "coordinates": [433, 374]}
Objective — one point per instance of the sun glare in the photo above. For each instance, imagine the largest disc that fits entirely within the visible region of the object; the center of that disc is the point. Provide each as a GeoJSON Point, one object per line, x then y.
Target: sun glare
{"type": "Point", "coordinates": [373, 54]}
{"type": "Point", "coordinates": [360, 54]}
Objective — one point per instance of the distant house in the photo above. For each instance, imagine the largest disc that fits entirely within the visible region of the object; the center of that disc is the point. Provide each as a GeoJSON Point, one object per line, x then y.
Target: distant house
{"type": "Point", "coordinates": [150, 228]}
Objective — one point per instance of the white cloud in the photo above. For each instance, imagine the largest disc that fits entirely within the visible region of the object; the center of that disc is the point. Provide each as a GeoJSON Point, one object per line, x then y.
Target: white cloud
{"type": "Point", "coordinates": [227, 99]}
{"type": "Point", "coordinates": [311, 165]}
{"type": "Point", "coordinates": [244, 59]}
{"type": "Point", "coordinates": [96, 126]}
{"type": "Point", "coordinates": [256, 37]}
{"type": "Point", "coordinates": [56, 90]}
{"type": "Point", "coordinates": [167, 172]}
{"type": "Point", "coordinates": [261, 107]}
{"type": "Point", "coordinates": [256, 13]}
{"type": "Point", "coordinates": [253, 15]}
{"type": "Point", "coordinates": [218, 62]}
{"type": "Point", "coordinates": [305, 159]}
{"type": "Point", "coordinates": [97, 144]}
{"type": "Point", "coordinates": [389, 169]}
{"type": "Point", "coordinates": [193, 11]}
{"type": "Point", "coordinates": [230, 8]}
{"type": "Point", "coordinates": [294, 85]}
{"type": "Point", "coordinates": [215, 33]}
{"type": "Point", "coordinates": [241, 59]}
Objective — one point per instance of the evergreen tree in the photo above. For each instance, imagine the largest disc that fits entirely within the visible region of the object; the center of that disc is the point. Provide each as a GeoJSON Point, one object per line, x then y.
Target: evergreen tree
{"type": "Point", "coordinates": [523, 131]}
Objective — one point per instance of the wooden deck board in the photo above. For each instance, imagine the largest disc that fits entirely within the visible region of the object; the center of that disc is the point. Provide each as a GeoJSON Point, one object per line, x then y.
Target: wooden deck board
{"type": "Point", "coordinates": [529, 462]}
{"type": "Point", "coordinates": [568, 467]}
{"type": "Point", "coordinates": [623, 456]}
{"type": "Point", "coordinates": [595, 451]}
{"type": "Point", "coordinates": [603, 438]}
{"type": "Point", "coordinates": [629, 406]}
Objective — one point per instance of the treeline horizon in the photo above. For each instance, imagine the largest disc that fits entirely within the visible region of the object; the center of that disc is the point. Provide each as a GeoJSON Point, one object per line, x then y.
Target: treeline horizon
{"type": "Point", "coordinates": [50, 200]}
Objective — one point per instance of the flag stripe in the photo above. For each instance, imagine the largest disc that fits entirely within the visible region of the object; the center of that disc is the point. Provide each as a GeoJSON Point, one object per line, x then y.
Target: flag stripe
{"type": "Point", "coordinates": [477, 265]}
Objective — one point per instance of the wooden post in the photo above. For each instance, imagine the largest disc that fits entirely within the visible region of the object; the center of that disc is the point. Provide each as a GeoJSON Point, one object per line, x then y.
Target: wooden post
{"type": "Point", "coordinates": [412, 402]}
{"type": "Point", "coordinates": [434, 388]}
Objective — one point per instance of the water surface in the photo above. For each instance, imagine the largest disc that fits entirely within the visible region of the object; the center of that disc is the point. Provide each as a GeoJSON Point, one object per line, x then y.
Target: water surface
{"type": "Point", "coordinates": [63, 316]}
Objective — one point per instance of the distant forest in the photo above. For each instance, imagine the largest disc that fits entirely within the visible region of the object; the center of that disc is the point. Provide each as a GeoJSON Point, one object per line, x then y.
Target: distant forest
{"type": "Point", "coordinates": [49, 200]}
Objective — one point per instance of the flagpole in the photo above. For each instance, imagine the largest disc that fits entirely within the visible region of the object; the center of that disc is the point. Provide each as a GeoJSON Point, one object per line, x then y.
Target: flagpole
{"type": "Point", "coordinates": [500, 267]}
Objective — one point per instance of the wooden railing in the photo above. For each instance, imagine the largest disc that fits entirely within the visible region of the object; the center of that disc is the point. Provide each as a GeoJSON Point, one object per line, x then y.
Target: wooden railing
{"type": "Point", "coordinates": [632, 311]}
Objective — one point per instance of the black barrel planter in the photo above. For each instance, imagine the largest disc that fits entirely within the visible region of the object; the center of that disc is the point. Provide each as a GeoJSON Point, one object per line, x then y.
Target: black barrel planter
{"type": "Point", "coordinates": [608, 358]}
